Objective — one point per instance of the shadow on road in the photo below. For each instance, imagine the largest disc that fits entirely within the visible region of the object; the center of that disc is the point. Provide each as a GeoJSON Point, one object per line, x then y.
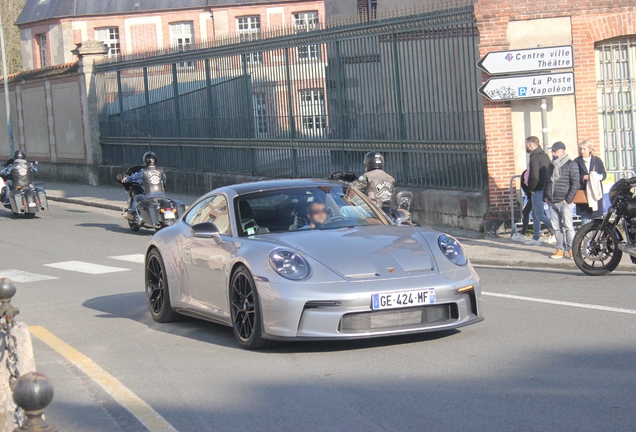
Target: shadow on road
{"type": "Point", "coordinates": [115, 228]}
{"type": "Point", "coordinates": [133, 306]}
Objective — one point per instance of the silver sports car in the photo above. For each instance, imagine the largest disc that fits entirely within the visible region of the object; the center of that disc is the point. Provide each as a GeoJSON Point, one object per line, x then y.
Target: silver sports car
{"type": "Point", "coordinates": [307, 260]}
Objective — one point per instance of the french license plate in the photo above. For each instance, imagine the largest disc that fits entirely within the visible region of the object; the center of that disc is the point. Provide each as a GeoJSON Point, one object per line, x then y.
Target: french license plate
{"type": "Point", "coordinates": [403, 299]}
{"type": "Point", "coordinates": [168, 214]}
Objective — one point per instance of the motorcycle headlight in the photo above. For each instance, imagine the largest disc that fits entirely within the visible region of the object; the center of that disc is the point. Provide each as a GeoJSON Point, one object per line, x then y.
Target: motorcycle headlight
{"type": "Point", "coordinates": [288, 264]}
{"type": "Point", "coordinates": [452, 250]}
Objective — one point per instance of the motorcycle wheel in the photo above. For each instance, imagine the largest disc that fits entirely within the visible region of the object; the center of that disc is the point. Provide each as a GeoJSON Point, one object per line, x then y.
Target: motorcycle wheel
{"type": "Point", "coordinates": [134, 226]}
{"type": "Point", "coordinates": [600, 258]}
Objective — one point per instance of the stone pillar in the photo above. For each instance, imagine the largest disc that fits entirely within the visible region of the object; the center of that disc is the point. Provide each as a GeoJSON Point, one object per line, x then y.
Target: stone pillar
{"type": "Point", "coordinates": [88, 52]}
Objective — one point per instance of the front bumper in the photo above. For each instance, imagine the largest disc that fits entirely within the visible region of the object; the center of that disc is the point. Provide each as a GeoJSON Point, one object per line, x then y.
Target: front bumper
{"type": "Point", "coordinates": [342, 310]}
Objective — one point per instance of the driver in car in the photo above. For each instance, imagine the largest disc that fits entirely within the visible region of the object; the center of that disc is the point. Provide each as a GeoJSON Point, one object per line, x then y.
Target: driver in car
{"type": "Point", "coordinates": [316, 215]}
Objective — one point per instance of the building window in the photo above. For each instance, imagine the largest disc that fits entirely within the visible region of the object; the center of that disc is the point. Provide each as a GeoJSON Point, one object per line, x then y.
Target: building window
{"type": "Point", "coordinates": [248, 29]}
{"type": "Point", "coordinates": [261, 123]}
{"type": "Point", "coordinates": [303, 22]}
{"type": "Point", "coordinates": [182, 39]}
{"type": "Point", "coordinates": [368, 9]}
{"type": "Point", "coordinates": [110, 37]}
{"type": "Point", "coordinates": [312, 111]}
{"type": "Point", "coordinates": [43, 50]}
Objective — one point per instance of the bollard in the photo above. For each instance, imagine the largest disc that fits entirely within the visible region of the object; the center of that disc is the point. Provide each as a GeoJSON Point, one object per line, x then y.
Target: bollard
{"type": "Point", "coordinates": [7, 291]}
{"type": "Point", "coordinates": [16, 356]}
{"type": "Point", "coordinates": [33, 392]}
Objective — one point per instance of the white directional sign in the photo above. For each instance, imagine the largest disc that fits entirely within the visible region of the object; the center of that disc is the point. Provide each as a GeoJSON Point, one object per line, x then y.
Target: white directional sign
{"type": "Point", "coordinates": [529, 86]}
{"type": "Point", "coordinates": [527, 60]}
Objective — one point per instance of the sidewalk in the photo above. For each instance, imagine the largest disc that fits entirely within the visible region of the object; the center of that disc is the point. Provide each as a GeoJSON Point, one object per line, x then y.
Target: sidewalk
{"type": "Point", "coordinates": [494, 251]}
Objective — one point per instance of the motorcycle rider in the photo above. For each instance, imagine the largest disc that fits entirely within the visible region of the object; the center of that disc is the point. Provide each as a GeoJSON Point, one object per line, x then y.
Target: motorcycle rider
{"type": "Point", "coordinates": [375, 182]}
{"type": "Point", "coordinates": [17, 174]}
{"type": "Point", "coordinates": [152, 180]}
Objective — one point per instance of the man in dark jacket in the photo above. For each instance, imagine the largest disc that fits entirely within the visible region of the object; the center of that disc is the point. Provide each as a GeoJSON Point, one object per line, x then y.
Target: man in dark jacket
{"type": "Point", "coordinates": [536, 178]}
{"type": "Point", "coordinates": [563, 182]}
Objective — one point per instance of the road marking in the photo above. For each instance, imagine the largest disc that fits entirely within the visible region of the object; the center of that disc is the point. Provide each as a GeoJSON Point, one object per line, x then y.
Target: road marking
{"type": "Point", "coordinates": [562, 303]}
{"type": "Point", "coordinates": [124, 396]}
{"type": "Point", "coordinates": [135, 258]}
{"type": "Point", "coordinates": [23, 277]}
{"type": "Point", "coordinates": [84, 267]}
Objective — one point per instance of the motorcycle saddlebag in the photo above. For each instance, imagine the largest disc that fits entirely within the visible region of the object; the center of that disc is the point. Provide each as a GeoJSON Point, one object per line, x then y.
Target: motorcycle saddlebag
{"type": "Point", "coordinates": [42, 195]}
{"type": "Point", "coordinates": [181, 208]}
{"type": "Point", "coordinates": [149, 211]}
{"type": "Point", "coordinates": [15, 198]}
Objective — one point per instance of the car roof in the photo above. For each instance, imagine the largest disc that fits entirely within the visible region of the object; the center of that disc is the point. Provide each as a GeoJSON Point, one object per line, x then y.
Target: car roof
{"type": "Point", "coordinates": [245, 188]}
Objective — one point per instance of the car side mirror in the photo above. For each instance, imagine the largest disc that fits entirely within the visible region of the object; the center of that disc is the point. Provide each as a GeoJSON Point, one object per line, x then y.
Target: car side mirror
{"type": "Point", "coordinates": [206, 230]}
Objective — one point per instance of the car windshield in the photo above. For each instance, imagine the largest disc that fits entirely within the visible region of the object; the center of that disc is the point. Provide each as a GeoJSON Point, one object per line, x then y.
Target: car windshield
{"type": "Point", "coordinates": [304, 208]}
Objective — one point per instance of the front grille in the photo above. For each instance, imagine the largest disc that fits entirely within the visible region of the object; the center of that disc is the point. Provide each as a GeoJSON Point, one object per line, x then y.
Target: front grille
{"type": "Point", "coordinates": [397, 318]}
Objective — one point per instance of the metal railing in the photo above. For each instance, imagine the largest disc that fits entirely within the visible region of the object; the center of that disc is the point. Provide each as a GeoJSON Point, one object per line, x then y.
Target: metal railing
{"type": "Point", "coordinates": [307, 103]}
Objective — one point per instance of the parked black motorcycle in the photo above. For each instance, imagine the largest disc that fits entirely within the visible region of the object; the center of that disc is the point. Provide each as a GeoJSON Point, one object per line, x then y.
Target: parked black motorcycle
{"type": "Point", "coordinates": [24, 200]}
{"type": "Point", "coordinates": [154, 213]}
{"type": "Point", "coordinates": [598, 246]}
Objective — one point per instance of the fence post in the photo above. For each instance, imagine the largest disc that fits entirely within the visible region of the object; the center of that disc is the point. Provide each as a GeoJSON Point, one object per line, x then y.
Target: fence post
{"type": "Point", "coordinates": [251, 130]}
{"type": "Point", "coordinates": [147, 100]}
{"type": "Point", "coordinates": [177, 110]}
{"type": "Point", "coordinates": [120, 99]}
{"type": "Point", "coordinates": [33, 392]}
{"type": "Point", "coordinates": [17, 354]}
{"type": "Point", "coordinates": [292, 121]}
{"type": "Point", "coordinates": [340, 97]}
{"type": "Point", "coordinates": [398, 106]}
{"type": "Point", "coordinates": [208, 87]}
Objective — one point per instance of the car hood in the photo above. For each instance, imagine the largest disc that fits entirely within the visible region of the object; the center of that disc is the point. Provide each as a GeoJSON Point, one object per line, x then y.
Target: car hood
{"type": "Point", "coordinates": [364, 253]}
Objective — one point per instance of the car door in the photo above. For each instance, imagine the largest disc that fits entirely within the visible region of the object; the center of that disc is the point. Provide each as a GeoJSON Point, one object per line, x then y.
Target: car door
{"type": "Point", "coordinates": [205, 261]}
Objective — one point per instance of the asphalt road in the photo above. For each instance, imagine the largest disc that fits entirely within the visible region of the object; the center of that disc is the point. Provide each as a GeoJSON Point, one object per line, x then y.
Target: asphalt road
{"type": "Point", "coordinates": [529, 366]}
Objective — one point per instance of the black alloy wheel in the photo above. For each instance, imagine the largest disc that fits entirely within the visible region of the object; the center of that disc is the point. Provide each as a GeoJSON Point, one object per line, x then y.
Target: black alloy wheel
{"type": "Point", "coordinates": [599, 257]}
{"type": "Point", "coordinates": [157, 292]}
{"type": "Point", "coordinates": [245, 311]}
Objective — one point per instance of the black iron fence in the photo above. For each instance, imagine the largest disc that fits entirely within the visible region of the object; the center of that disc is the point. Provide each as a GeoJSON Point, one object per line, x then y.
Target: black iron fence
{"type": "Point", "coordinates": [306, 104]}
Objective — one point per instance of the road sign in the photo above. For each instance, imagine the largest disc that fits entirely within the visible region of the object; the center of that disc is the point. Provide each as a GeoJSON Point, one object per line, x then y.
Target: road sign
{"type": "Point", "coordinates": [528, 86]}
{"type": "Point", "coordinates": [527, 60]}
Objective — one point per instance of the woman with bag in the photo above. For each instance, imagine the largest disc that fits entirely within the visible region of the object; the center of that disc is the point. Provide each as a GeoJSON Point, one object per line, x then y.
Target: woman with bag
{"type": "Point", "coordinates": [592, 173]}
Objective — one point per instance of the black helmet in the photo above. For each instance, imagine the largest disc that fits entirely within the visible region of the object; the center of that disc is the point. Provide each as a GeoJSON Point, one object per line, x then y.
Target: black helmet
{"type": "Point", "coordinates": [373, 161]}
{"type": "Point", "coordinates": [150, 159]}
{"type": "Point", "coordinates": [19, 154]}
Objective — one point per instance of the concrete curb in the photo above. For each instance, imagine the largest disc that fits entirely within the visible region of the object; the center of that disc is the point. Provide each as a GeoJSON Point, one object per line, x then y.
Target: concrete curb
{"type": "Point", "coordinates": [80, 201]}
{"type": "Point", "coordinates": [552, 264]}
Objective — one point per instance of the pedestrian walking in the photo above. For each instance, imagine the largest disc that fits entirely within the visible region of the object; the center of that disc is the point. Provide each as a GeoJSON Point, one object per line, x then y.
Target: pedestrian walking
{"type": "Point", "coordinates": [589, 202]}
{"type": "Point", "coordinates": [536, 179]}
{"type": "Point", "coordinates": [563, 183]}
{"type": "Point", "coordinates": [525, 213]}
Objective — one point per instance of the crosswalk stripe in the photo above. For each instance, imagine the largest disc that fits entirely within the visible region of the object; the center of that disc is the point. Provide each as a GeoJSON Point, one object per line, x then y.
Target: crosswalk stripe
{"type": "Point", "coordinates": [23, 277]}
{"type": "Point", "coordinates": [84, 267]}
{"type": "Point", "coordinates": [134, 258]}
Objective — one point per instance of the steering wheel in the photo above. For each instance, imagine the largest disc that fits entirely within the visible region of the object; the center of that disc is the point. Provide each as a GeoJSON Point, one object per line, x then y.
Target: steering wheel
{"type": "Point", "coordinates": [334, 218]}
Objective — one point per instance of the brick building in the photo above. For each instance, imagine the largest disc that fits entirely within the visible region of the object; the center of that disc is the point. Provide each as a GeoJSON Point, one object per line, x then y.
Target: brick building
{"type": "Point", "coordinates": [50, 29]}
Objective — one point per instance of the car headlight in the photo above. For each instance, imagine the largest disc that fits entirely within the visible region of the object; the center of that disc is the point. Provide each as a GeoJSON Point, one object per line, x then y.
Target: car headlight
{"type": "Point", "coordinates": [288, 264]}
{"type": "Point", "coordinates": [453, 251]}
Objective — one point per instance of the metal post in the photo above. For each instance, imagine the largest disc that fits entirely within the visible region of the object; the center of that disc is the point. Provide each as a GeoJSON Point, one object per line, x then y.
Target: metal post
{"type": "Point", "coordinates": [147, 100]}
{"type": "Point", "coordinates": [5, 80]}
{"type": "Point", "coordinates": [120, 99]}
{"type": "Point", "coordinates": [34, 392]}
{"type": "Point", "coordinates": [398, 106]}
{"type": "Point", "coordinates": [340, 97]}
{"type": "Point", "coordinates": [177, 110]}
{"type": "Point", "coordinates": [251, 130]}
{"type": "Point", "coordinates": [292, 121]}
{"type": "Point", "coordinates": [208, 87]}
{"type": "Point", "coordinates": [544, 122]}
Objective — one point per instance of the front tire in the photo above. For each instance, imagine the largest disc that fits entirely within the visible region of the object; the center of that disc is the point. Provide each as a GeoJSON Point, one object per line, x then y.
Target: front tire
{"type": "Point", "coordinates": [133, 225]}
{"type": "Point", "coordinates": [157, 291]}
{"type": "Point", "coordinates": [245, 311]}
{"type": "Point", "coordinates": [599, 258]}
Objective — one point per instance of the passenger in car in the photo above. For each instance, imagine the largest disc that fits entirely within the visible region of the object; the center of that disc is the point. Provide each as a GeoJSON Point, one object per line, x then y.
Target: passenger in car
{"type": "Point", "coordinates": [316, 215]}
